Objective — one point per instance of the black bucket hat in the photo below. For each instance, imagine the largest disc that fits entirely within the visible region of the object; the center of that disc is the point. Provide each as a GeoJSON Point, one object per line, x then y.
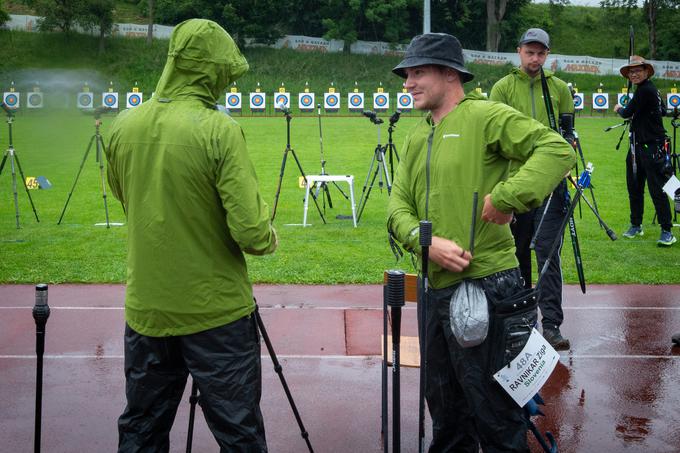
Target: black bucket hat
{"type": "Point", "coordinates": [434, 48]}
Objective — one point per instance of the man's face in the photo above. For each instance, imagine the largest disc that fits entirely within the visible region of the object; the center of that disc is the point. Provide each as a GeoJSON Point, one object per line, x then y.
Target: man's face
{"type": "Point", "coordinates": [638, 74]}
{"type": "Point", "coordinates": [427, 84]}
{"type": "Point", "coordinates": [532, 56]}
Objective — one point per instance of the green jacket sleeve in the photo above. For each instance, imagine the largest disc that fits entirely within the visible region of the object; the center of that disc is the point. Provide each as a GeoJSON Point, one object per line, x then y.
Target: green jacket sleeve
{"type": "Point", "coordinates": [402, 222]}
{"type": "Point", "coordinates": [247, 213]}
{"type": "Point", "coordinates": [546, 158]}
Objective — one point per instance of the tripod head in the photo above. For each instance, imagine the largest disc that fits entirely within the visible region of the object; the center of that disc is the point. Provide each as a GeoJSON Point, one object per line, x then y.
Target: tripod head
{"type": "Point", "coordinates": [286, 111]}
{"type": "Point", "coordinates": [7, 110]}
{"type": "Point", "coordinates": [371, 115]}
{"type": "Point", "coordinates": [395, 117]}
{"type": "Point", "coordinates": [675, 115]}
{"type": "Point", "coordinates": [98, 112]}
{"type": "Point", "coordinates": [625, 123]}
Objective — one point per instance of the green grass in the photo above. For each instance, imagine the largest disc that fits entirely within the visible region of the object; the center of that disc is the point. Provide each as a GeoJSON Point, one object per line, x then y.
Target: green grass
{"type": "Point", "coordinates": [54, 144]}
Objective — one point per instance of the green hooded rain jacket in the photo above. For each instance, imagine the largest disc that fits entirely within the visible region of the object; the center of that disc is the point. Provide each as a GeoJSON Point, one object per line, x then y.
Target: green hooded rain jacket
{"type": "Point", "coordinates": [182, 172]}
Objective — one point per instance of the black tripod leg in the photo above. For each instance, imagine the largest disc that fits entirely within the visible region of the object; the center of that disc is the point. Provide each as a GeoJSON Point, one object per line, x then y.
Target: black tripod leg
{"type": "Point", "coordinates": [279, 371]}
{"type": "Point", "coordinates": [100, 148]}
{"type": "Point", "coordinates": [4, 159]}
{"type": "Point", "coordinates": [82, 164]}
{"type": "Point", "coordinates": [364, 199]}
{"type": "Point", "coordinates": [193, 399]}
{"type": "Point", "coordinates": [577, 254]}
{"type": "Point", "coordinates": [425, 242]}
{"type": "Point", "coordinates": [23, 182]}
{"type": "Point", "coordinates": [278, 186]}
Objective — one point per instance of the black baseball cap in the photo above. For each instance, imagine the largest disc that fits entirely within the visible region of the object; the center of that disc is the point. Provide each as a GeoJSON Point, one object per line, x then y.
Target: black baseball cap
{"type": "Point", "coordinates": [434, 48]}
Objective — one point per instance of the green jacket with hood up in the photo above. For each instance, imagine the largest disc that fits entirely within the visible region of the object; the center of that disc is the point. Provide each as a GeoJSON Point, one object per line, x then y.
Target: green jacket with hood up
{"type": "Point", "coordinates": [470, 149]}
{"type": "Point", "coordinates": [183, 174]}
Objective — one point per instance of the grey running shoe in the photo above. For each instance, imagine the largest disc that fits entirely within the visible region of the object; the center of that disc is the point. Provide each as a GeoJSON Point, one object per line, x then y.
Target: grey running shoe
{"type": "Point", "coordinates": [554, 337]}
{"type": "Point", "coordinates": [676, 339]}
{"type": "Point", "coordinates": [666, 239]}
{"type": "Point", "coordinates": [634, 231]}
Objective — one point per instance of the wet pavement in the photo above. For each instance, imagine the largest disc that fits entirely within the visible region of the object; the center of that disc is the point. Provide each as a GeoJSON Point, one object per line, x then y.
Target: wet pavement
{"type": "Point", "coordinates": [616, 390]}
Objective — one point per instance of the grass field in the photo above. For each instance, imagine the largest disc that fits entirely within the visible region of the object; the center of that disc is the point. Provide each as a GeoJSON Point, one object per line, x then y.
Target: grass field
{"type": "Point", "coordinates": [53, 145]}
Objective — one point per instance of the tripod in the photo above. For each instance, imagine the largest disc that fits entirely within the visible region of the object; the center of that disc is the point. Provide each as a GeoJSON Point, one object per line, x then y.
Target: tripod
{"type": "Point", "coordinates": [391, 148]}
{"type": "Point", "coordinates": [14, 163]}
{"type": "Point", "coordinates": [288, 149]}
{"type": "Point", "coordinates": [193, 399]}
{"type": "Point", "coordinates": [380, 167]}
{"type": "Point", "coordinates": [97, 139]}
{"type": "Point", "coordinates": [323, 185]}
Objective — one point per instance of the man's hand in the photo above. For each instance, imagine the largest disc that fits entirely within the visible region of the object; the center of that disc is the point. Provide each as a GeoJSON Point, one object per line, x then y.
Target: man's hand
{"type": "Point", "coordinates": [449, 255]}
{"type": "Point", "coordinates": [492, 215]}
{"type": "Point", "coordinates": [617, 107]}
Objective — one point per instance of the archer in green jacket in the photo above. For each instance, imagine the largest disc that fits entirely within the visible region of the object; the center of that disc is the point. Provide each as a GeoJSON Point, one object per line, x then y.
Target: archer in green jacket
{"type": "Point", "coordinates": [522, 89]}
{"type": "Point", "coordinates": [182, 172]}
{"type": "Point", "coordinates": [464, 145]}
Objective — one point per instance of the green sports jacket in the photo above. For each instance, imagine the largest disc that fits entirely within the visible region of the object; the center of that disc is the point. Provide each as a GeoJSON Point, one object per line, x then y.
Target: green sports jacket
{"type": "Point", "coordinates": [470, 151]}
{"type": "Point", "coordinates": [183, 174]}
{"type": "Point", "coordinates": [525, 94]}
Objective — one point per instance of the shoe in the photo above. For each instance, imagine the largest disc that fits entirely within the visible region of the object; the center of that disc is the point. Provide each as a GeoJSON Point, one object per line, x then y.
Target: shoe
{"type": "Point", "coordinates": [555, 338]}
{"type": "Point", "coordinates": [634, 231]}
{"type": "Point", "coordinates": [666, 239]}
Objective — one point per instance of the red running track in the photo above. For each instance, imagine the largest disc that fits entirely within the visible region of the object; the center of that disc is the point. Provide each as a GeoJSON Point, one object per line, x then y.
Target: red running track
{"type": "Point", "coordinates": [616, 390]}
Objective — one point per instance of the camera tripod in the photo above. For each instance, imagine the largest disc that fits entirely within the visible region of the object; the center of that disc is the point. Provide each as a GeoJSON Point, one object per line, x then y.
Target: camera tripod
{"type": "Point", "coordinates": [14, 164]}
{"type": "Point", "coordinates": [288, 149]}
{"type": "Point", "coordinates": [323, 185]}
{"type": "Point", "coordinates": [99, 144]}
{"type": "Point", "coordinates": [379, 160]}
{"type": "Point", "coordinates": [193, 399]}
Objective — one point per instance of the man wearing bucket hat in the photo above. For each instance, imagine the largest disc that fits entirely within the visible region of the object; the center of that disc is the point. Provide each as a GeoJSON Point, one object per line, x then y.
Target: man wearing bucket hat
{"type": "Point", "coordinates": [646, 158]}
{"type": "Point", "coordinates": [522, 89]}
{"type": "Point", "coordinates": [462, 146]}
{"type": "Point", "coordinates": [181, 169]}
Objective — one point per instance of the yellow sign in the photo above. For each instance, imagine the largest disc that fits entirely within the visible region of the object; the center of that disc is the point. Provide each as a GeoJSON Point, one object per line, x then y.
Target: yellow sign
{"type": "Point", "coordinates": [624, 90]}
{"type": "Point", "coordinates": [331, 90]}
{"type": "Point", "coordinates": [478, 89]}
{"type": "Point", "coordinates": [282, 90]}
{"type": "Point", "coordinates": [233, 90]}
{"type": "Point", "coordinates": [32, 183]}
{"type": "Point", "coordinates": [380, 90]}
{"type": "Point", "coordinates": [301, 182]}
{"type": "Point", "coordinates": [674, 90]}
{"type": "Point", "coordinates": [599, 90]}
{"type": "Point", "coordinates": [135, 90]}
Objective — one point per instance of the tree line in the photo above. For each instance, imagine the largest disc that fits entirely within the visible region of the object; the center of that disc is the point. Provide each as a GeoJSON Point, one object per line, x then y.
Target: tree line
{"type": "Point", "coordinates": [490, 25]}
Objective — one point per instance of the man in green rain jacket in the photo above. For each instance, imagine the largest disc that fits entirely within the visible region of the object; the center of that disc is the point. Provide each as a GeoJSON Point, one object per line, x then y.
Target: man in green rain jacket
{"type": "Point", "coordinates": [464, 145]}
{"type": "Point", "coordinates": [521, 89]}
{"type": "Point", "coordinates": [182, 172]}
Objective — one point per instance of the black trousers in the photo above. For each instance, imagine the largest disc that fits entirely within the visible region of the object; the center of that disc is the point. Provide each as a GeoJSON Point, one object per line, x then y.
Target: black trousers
{"type": "Point", "coordinates": [468, 407]}
{"type": "Point", "coordinates": [523, 229]}
{"type": "Point", "coordinates": [649, 171]}
{"type": "Point", "coordinates": [225, 364]}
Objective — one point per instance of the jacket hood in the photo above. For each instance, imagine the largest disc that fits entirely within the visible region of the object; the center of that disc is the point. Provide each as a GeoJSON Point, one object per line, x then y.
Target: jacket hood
{"type": "Point", "coordinates": [203, 60]}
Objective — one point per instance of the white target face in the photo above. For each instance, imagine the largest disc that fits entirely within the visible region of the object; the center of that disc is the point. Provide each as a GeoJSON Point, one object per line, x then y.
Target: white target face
{"type": "Point", "coordinates": [381, 101]}
{"type": "Point", "coordinates": [282, 100]}
{"type": "Point", "coordinates": [306, 101]}
{"type": "Point", "coordinates": [355, 101]}
{"type": "Point", "coordinates": [673, 100]}
{"type": "Point", "coordinates": [405, 101]}
{"type": "Point", "coordinates": [110, 100]}
{"type": "Point", "coordinates": [578, 101]}
{"type": "Point", "coordinates": [134, 99]}
{"type": "Point", "coordinates": [600, 101]}
{"type": "Point", "coordinates": [331, 101]}
{"type": "Point", "coordinates": [257, 101]}
{"type": "Point", "coordinates": [233, 101]}
{"type": "Point", "coordinates": [34, 100]}
{"type": "Point", "coordinates": [11, 100]}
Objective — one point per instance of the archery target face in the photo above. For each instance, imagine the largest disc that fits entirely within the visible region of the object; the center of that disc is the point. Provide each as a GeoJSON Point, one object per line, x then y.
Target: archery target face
{"type": "Point", "coordinates": [331, 101]}
{"type": "Point", "coordinates": [34, 100]}
{"type": "Point", "coordinates": [381, 101]}
{"type": "Point", "coordinates": [601, 101]}
{"type": "Point", "coordinates": [405, 101]}
{"type": "Point", "coordinates": [110, 100]}
{"type": "Point", "coordinates": [306, 101]}
{"type": "Point", "coordinates": [673, 100]}
{"type": "Point", "coordinates": [281, 98]}
{"type": "Point", "coordinates": [233, 101]}
{"type": "Point", "coordinates": [355, 101]}
{"type": "Point", "coordinates": [578, 101]}
{"type": "Point", "coordinates": [134, 99]}
{"type": "Point", "coordinates": [623, 98]}
{"type": "Point", "coordinates": [257, 101]}
{"type": "Point", "coordinates": [11, 99]}
{"type": "Point", "coordinates": [85, 100]}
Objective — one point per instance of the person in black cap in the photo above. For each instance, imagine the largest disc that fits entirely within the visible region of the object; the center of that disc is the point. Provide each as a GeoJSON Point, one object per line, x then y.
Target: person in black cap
{"type": "Point", "coordinates": [645, 111]}
{"type": "Point", "coordinates": [463, 146]}
{"type": "Point", "coordinates": [522, 89]}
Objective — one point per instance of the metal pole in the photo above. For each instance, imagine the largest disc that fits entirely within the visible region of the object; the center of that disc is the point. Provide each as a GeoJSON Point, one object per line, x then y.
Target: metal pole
{"type": "Point", "coordinates": [41, 311]}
